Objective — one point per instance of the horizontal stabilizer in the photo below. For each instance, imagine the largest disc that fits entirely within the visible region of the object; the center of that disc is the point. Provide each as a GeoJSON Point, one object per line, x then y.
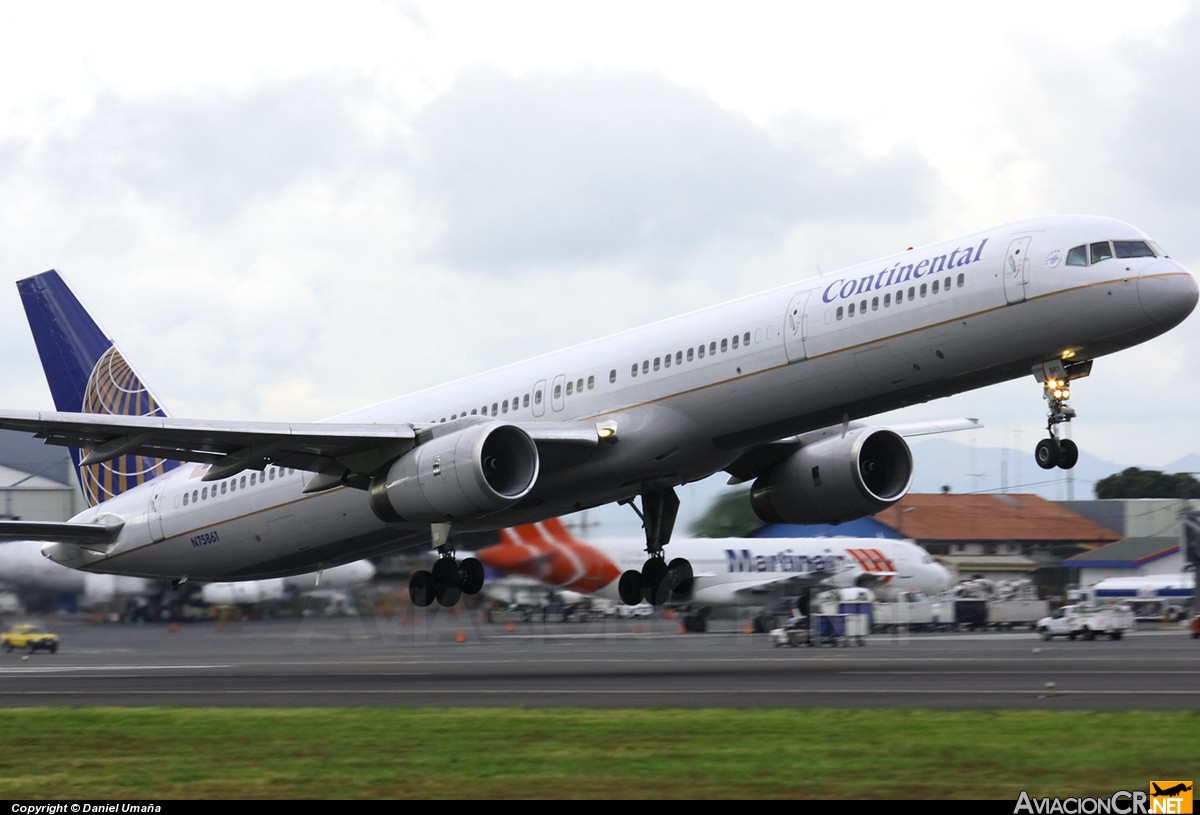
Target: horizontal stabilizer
{"type": "Point", "coordinates": [89, 536]}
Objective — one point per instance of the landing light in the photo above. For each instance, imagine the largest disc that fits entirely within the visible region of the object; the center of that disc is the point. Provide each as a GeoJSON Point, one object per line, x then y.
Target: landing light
{"type": "Point", "coordinates": [1068, 354]}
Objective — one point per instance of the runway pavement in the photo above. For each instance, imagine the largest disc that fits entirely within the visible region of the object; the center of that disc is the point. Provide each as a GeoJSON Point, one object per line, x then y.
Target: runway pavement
{"type": "Point", "coordinates": [433, 657]}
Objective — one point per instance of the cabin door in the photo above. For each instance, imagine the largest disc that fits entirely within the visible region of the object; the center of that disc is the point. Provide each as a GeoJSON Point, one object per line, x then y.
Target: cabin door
{"type": "Point", "coordinates": [795, 327]}
{"type": "Point", "coordinates": [1016, 269]}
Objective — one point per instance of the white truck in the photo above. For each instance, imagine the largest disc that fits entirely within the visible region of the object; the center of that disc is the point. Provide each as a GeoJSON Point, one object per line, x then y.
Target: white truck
{"type": "Point", "coordinates": [1087, 621]}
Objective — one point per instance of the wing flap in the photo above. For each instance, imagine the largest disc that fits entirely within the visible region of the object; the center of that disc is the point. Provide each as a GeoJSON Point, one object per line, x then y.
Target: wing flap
{"type": "Point", "coordinates": [229, 446]}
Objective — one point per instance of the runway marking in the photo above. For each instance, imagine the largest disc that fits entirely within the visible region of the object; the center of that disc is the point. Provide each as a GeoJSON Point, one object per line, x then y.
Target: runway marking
{"type": "Point", "coordinates": [656, 692]}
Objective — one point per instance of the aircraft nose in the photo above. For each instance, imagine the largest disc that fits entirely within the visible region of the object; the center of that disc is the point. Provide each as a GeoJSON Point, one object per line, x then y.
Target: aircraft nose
{"type": "Point", "coordinates": [1167, 292]}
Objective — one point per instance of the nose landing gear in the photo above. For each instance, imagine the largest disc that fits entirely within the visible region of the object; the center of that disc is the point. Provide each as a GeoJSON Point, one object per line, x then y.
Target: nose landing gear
{"type": "Point", "coordinates": [1055, 377]}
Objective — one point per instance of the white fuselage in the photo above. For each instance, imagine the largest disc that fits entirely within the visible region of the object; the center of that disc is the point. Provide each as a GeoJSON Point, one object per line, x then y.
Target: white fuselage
{"type": "Point", "coordinates": [690, 394]}
{"type": "Point", "coordinates": [726, 571]}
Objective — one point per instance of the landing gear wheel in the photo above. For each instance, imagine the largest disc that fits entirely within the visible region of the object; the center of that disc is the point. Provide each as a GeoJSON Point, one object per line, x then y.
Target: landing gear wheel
{"type": "Point", "coordinates": [1068, 454]}
{"type": "Point", "coordinates": [420, 589]}
{"type": "Point", "coordinates": [654, 572]}
{"type": "Point", "coordinates": [470, 576]}
{"type": "Point", "coordinates": [1047, 454]}
{"type": "Point", "coordinates": [679, 577]}
{"type": "Point", "coordinates": [446, 581]}
{"type": "Point", "coordinates": [629, 587]}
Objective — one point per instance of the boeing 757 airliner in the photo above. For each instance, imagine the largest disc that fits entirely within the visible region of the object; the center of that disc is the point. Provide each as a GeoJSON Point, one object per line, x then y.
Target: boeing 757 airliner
{"type": "Point", "coordinates": [769, 388]}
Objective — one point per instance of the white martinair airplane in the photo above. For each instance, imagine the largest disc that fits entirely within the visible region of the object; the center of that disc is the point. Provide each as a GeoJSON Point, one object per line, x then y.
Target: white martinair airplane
{"type": "Point", "coordinates": [768, 388]}
{"type": "Point", "coordinates": [726, 571]}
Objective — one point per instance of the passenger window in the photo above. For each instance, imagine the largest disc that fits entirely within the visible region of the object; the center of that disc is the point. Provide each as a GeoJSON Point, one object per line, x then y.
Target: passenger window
{"type": "Point", "coordinates": [724, 346]}
{"type": "Point", "coordinates": [645, 366]}
{"type": "Point", "coordinates": [924, 289]}
{"type": "Point", "coordinates": [840, 312]}
{"type": "Point", "coordinates": [537, 396]}
{"type": "Point", "coordinates": [712, 349]}
{"type": "Point", "coordinates": [1077, 256]}
{"type": "Point", "coordinates": [691, 354]}
{"type": "Point", "coordinates": [962, 280]}
{"type": "Point", "coordinates": [899, 296]}
{"type": "Point", "coordinates": [746, 338]}
{"type": "Point", "coordinates": [612, 376]}
{"type": "Point", "coordinates": [1101, 251]}
{"type": "Point", "coordinates": [657, 363]}
{"type": "Point", "coordinates": [887, 300]}
{"type": "Point", "coordinates": [735, 342]}
{"type": "Point", "coordinates": [850, 310]}
{"type": "Point", "coordinates": [633, 370]}
{"type": "Point", "coordinates": [591, 382]}
{"type": "Point", "coordinates": [667, 360]}
{"type": "Point", "coordinates": [874, 304]}
{"type": "Point", "coordinates": [678, 357]}
{"type": "Point", "coordinates": [525, 400]}
{"type": "Point", "coordinates": [935, 287]}
{"type": "Point", "coordinates": [700, 352]}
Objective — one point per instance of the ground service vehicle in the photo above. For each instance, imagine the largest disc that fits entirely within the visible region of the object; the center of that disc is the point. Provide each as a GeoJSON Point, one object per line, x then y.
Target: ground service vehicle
{"type": "Point", "coordinates": [1087, 622]}
{"type": "Point", "coordinates": [29, 636]}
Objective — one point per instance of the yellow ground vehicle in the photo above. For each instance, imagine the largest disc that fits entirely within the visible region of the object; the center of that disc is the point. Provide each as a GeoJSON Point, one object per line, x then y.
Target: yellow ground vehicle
{"type": "Point", "coordinates": [29, 636]}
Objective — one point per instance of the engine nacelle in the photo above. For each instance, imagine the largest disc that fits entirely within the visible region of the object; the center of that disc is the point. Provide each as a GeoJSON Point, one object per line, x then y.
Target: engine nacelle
{"type": "Point", "coordinates": [464, 474]}
{"type": "Point", "coordinates": [836, 479]}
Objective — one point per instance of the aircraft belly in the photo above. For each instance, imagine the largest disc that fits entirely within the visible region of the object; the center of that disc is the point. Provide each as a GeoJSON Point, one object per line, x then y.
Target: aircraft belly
{"type": "Point", "coordinates": [293, 537]}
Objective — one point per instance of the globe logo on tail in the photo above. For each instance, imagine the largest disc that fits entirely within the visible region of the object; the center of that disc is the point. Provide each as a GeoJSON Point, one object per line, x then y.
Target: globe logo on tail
{"type": "Point", "coordinates": [114, 389]}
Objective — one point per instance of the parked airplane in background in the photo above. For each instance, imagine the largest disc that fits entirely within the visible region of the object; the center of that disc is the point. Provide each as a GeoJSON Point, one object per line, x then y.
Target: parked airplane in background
{"type": "Point", "coordinates": [725, 571]}
{"type": "Point", "coordinates": [24, 569]}
{"type": "Point", "coordinates": [767, 388]}
{"type": "Point", "coordinates": [1179, 586]}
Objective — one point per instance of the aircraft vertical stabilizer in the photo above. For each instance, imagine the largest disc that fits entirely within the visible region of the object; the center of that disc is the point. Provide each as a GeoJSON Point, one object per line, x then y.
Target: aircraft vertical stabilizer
{"type": "Point", "coordinates": [87, 374]}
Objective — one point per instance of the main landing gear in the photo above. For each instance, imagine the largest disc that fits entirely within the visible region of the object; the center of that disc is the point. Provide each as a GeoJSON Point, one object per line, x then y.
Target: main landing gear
{"type": "Point", "coordinates": [447, 581]}
{"type": "Point", "coordinates": [1055, 377]}
{"type": "Point", "coordinates": [659, 581]}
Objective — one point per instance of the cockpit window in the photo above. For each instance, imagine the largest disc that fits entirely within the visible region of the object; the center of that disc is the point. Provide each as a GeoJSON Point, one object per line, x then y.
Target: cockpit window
{"type": "Point", "coordinates": [1133, 249]}
{"type": "Point", "coordinates": [1101, 251]}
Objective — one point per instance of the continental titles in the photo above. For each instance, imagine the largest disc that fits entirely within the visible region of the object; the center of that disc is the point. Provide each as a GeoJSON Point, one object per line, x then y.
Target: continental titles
{"type": "Point", "coordinates": [899, 273]}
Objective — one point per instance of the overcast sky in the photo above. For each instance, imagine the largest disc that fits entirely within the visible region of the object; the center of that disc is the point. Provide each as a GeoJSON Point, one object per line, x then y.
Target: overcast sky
{"type": "Point", "coordinates": [288, 210]}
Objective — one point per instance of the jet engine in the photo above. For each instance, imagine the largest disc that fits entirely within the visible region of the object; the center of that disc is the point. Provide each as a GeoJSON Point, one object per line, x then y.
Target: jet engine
{"type": "Point", "coordinates": [463, 474]}
{"type": "Point", "coordinates": [835, 479]}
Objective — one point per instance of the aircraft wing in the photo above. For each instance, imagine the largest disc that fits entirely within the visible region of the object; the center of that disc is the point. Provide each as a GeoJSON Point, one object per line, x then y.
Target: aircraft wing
{"type": "Point", "coordinates": [338, 453]}
{"type": "Point", "coordinates": [758, 459]}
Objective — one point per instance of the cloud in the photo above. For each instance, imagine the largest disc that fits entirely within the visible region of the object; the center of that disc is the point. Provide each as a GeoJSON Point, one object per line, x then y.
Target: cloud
{"type": "Point", "coordinates": [206, 155]}
{"type": "Point", "coordinates": [600, 165]}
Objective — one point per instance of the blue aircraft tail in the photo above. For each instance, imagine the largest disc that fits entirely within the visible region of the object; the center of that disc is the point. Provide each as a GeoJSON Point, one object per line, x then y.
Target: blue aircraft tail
{"type": "Point", "coordinates": [87, 374]}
